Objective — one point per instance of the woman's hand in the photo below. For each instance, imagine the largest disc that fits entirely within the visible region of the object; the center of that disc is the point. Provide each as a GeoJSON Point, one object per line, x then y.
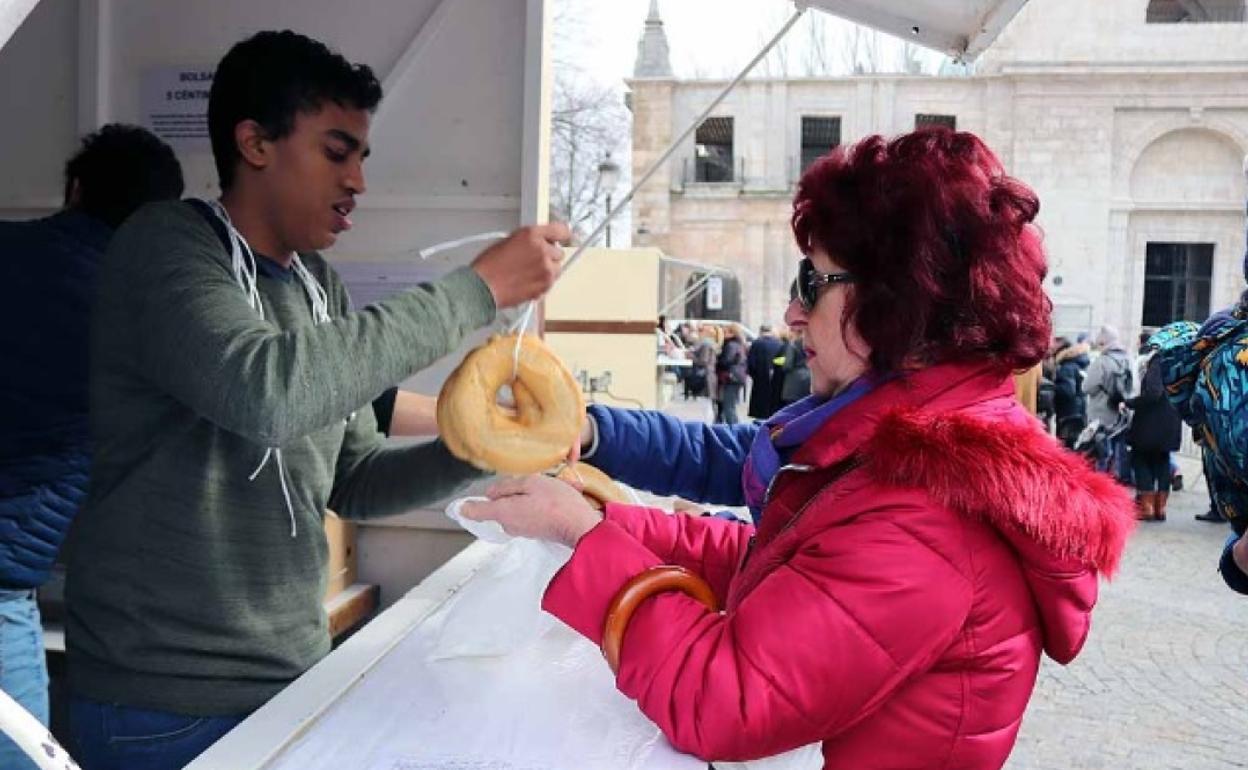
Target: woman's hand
{"type": "Point", "coordinates": [536, 507]}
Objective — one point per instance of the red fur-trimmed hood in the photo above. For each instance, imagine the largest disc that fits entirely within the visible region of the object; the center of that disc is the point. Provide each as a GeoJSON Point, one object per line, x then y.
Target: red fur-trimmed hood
{"type": "Point", "coordinates": [1011, 476]}
{"type": "Point", "coordinates": [956, 432]}
{"type": "Point", "coordinates": [1060, 516]}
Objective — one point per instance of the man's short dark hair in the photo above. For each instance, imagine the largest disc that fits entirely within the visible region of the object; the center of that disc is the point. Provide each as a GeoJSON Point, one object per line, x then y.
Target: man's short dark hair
{"type": "Point", "coordinates": [271, 77]}
{"type": "Point", "coordinates": [118, 169]}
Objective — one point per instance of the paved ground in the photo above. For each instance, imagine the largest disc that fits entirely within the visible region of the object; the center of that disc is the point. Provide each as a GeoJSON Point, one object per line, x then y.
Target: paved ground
{"type": "Point", "coordinates": [1163, 681]}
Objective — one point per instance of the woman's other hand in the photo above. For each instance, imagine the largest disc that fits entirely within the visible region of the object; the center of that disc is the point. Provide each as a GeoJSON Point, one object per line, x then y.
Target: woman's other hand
{"type": "Point", "coordinates": [537, 507]}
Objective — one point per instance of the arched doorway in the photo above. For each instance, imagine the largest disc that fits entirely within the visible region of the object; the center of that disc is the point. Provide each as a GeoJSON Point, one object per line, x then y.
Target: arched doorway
{"type": "Point", "coordinates": [1185, 228]}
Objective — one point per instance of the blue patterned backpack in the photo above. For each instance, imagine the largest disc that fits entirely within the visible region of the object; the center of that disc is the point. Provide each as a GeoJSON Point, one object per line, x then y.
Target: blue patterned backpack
{"type": "Point", "coordinates": [1205, 370]}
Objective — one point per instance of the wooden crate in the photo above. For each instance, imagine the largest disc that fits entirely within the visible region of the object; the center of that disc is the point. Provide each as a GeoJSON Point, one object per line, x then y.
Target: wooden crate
{"type": "Point", "coordinates": [343, 565]}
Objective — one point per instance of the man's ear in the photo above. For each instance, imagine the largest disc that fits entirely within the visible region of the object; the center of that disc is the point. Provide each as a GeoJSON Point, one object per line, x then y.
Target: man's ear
{"type": "Point", "coordinates": [253, 144]}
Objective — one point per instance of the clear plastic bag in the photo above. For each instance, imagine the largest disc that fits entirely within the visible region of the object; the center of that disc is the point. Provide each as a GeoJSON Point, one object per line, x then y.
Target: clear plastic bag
{"type": "Point", "coordinates": [498, 613]}
{"type": "Point", "coordinates": [500, 610]}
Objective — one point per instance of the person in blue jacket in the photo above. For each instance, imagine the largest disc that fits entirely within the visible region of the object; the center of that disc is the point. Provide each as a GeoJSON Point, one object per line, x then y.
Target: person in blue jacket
{"type": "Point", "coordinates": [47, 277]}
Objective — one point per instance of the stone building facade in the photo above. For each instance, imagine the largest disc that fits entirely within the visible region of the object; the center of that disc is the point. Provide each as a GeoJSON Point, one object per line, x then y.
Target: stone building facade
{"type": "Point", "coordinates": [1128, 117]}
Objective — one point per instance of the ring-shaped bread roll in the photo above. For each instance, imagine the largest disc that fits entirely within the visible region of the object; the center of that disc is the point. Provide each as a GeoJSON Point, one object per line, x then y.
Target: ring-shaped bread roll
{"type": "Point", "coordinates": [546, 421]}
{"type": "Point", "coordinates": [597, 487]}
{"type": "Point", "coordinates": [655, 580]}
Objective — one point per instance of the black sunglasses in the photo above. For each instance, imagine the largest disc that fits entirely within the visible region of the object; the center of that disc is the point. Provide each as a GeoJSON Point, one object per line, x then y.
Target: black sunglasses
{"type": "Point", "coordinates": [809, 281]}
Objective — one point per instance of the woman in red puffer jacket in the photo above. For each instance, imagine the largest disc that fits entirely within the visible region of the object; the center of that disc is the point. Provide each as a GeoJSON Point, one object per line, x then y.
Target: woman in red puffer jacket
{"type": "Point", "coordinates": [919, 540]}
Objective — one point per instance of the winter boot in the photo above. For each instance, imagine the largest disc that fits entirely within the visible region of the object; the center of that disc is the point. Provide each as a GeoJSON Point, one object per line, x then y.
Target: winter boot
{"type": "Point", "coordinates": [1159, 505]}
{"type": "Point", "coordinates": [1144, 509]}
{"type": "Point", "coordinates": [1211, 515]}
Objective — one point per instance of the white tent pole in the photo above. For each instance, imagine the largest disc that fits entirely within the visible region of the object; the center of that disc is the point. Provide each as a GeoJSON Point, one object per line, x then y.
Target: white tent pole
{"type": "Point", "coordinates": [687, 293]}
{"type": "Point", "coordinates": [32, 737]}
{"type": "Point", "coordinates": [593, 237]}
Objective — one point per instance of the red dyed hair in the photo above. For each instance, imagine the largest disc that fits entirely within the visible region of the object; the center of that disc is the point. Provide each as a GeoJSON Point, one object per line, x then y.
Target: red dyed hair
{"type": "Point", "coordinates": [948, 263]}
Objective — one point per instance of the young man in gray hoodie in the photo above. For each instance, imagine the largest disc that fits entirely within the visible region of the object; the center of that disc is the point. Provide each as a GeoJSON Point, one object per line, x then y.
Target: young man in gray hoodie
{"type": "Point", "coordinates": [230, 386]}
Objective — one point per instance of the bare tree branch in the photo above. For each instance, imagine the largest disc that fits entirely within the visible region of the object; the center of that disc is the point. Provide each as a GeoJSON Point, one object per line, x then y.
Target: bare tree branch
{"type": "Point", "coordinates": [818, 59]}
{"type": "Point", "coordinates": [588, 121]}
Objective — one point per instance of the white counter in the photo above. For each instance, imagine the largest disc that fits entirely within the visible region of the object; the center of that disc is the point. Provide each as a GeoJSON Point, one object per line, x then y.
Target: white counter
{"type": "Point", "coordinates": [380, 703]}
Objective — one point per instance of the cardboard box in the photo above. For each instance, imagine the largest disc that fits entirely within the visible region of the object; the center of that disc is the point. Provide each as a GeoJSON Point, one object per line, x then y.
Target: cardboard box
{"type": "Point", "coordinates": [342, 555]}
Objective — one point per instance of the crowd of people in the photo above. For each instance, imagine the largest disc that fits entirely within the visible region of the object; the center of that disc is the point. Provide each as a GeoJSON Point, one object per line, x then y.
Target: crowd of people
{"type": "Point", "coordinates": [764, 374]}
{"type": "Point", "coordinates": [1111, 405]}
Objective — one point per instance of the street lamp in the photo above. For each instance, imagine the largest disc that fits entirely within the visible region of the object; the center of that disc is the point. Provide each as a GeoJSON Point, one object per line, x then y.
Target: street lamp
{"type": "Point", "coordinates": [608, 178]}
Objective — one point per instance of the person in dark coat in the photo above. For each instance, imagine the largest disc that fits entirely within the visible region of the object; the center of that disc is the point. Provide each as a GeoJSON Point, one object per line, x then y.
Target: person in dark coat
{"type": "Point", "coordinates": [1069, 402]}
{"type": "Point", "coordinates": [702, 353]}
{"type": "Point", "coordinates": [1156, 431]}
{"type": "Point", "coordinates": [775, 385]}
{"type": "Point", "coordinates": [47, 281]}
{"type": "Point", "coordinates": [730, 372]}
{"type": "Point", "coordinates": [758, 363]}
{"type": "Point", "coordinates": [796, 384]}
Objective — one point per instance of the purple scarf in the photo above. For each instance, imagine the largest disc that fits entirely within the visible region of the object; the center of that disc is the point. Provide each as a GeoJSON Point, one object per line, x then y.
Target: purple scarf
{"type": "Point", "coordinates": [786, 430]}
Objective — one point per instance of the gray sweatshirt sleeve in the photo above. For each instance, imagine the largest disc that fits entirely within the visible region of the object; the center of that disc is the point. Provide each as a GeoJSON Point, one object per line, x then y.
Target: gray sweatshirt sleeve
{"type": "Point", "coordinates": [373, 480]}
{"type": "Point", "coordinates": [204, 345]}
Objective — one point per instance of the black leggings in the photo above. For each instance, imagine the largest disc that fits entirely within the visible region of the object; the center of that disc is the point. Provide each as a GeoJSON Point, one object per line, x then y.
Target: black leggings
{"type": "Point", "coordinates": [1152, 470]}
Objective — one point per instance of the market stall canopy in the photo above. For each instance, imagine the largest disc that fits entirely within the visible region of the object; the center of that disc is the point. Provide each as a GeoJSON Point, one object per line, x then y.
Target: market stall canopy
{"type": "Point", "coordinates": [960, 28]}
{"type": "Point", "coordinates": [12, 14]}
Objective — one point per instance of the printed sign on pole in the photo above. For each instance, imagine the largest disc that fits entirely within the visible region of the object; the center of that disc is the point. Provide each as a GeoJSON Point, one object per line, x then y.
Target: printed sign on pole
{"type": "Point", "coordinates": [715, 293]}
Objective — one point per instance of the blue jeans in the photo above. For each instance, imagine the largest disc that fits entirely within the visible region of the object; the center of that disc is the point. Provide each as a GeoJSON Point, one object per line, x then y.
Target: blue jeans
{"type": "Point", "coordinates": [23, 668]}
{"type": "Point", "coordinates": [729, 395]}
{"type": "Point", "coordinates": [108, 736]}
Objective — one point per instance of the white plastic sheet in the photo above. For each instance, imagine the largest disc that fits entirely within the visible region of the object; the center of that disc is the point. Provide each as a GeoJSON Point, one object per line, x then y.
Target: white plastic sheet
{"type": "Point", "coordinates": [495, 615]}
{"type": "Point", "coordinates": [550, 704]}
{"type": "Point", "coordinates": [490, 682]}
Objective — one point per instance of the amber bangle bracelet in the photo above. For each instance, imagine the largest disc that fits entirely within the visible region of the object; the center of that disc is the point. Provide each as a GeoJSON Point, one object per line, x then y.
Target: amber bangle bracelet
{"type": "Point", "coordinates": [656, 580]}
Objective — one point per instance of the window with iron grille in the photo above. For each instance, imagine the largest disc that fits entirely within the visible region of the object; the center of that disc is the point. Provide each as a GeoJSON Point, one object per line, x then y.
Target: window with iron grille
{"type": "Point", "coordinates": [1194, 11]}
{"type": "Point", "coordinates": [819, 137]}
{"type": "Point", "coordinates": [927, 119]}
{"type": "Point", "coordinates": [713, 160]}
{"type": "Point", "coordinates": [1177, 277]}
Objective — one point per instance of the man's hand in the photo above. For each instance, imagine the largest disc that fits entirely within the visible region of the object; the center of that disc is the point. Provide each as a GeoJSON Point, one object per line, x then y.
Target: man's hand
{"type": "Point", "coordinates": [538, 507]}
{"type": "Point", "coordinates": [525, 265]}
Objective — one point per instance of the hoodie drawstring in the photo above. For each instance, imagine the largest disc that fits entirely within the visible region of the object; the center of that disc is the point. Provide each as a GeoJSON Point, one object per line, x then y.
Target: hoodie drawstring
{"type": "Point", "coordinates": [243, 263]}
